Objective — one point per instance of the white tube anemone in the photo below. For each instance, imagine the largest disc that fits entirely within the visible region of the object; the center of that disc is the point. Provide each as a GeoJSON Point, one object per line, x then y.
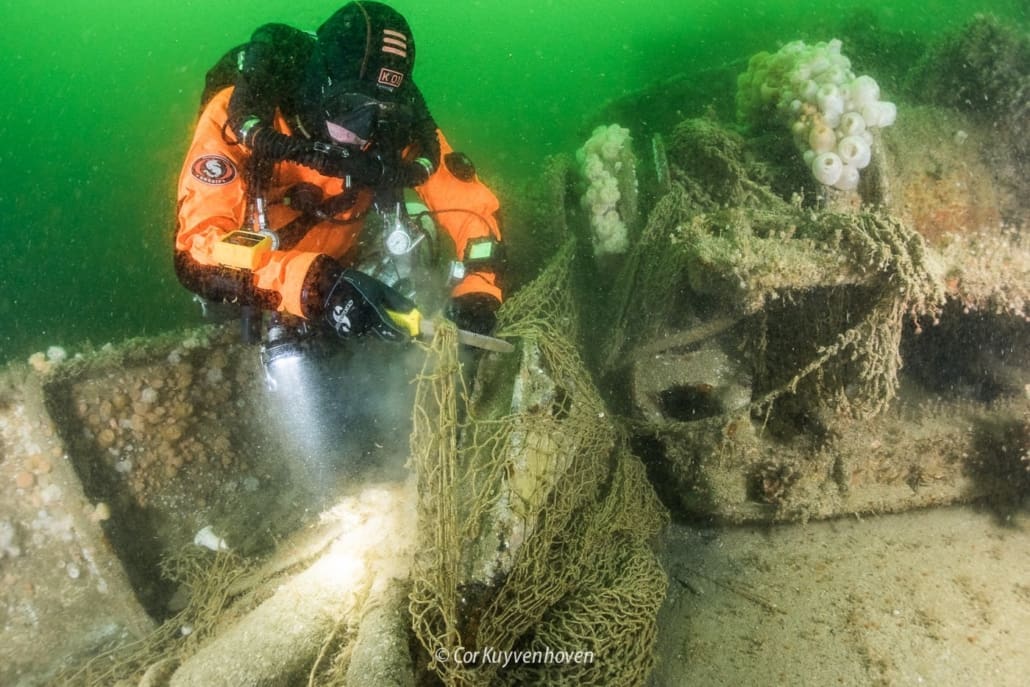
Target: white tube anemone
{"type": "Point", "coordinates": [827, 168]}
{"type": "Point", "coordinates": [888, 112]}
{"type": "Point", "coordinates": [821, 138]}
{"type": "Point", "coordinates": [854, 151]}
{"type": "Point", "coordinates": [831, 102]}
{"type": "Point", "coordinates": [833, 75]}
{"type": "Point", "coordinates": [851, 124]}
{"type": "Point", "coordinates": [809, 90]}
{"type": "Point", "coordinates": [864, 91]}
{"type": "Point", "coordinates": [847, 180]}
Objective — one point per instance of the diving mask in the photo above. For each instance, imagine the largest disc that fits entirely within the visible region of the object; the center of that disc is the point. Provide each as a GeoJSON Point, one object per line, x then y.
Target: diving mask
{"type": "Point", "coordinates": [356, 119]}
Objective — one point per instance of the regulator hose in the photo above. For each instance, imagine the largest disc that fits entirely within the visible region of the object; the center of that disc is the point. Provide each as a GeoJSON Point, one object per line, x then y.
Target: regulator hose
{"type": "Point", "coordinates": [330, 160]}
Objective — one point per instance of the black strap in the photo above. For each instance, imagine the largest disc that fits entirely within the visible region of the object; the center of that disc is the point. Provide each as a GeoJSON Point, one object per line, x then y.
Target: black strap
{"type": "Point", "coordinates": [292, 233]}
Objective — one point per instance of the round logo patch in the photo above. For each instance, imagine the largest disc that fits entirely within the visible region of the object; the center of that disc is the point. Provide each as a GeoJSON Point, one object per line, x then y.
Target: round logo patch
{"type": "Point", "coordinates": [214, 169]}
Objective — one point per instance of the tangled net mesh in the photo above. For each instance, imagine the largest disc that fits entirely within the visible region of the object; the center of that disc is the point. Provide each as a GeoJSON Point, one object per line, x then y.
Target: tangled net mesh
{"type": "Point", "coordinates": [209, 579]}
{"type": "Point", "coordinates": [562, 468]}
{"type": "Point", "coordinates": [822, 296]}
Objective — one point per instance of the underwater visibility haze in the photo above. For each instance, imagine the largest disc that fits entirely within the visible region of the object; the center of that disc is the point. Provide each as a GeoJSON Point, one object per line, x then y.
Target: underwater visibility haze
{"type": "Point", "coordinates": [760, 414]}
{"type": "Point", "coordinates": [101, 96]}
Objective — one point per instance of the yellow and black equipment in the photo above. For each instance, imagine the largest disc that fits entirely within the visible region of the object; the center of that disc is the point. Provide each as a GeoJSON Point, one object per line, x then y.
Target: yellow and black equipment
{"type": "Point", "coordinates": [242, 249]}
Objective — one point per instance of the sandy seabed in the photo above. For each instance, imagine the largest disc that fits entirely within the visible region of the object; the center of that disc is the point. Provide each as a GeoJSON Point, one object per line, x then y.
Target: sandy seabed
{"type": "Point", "coordinates": [935, 597]}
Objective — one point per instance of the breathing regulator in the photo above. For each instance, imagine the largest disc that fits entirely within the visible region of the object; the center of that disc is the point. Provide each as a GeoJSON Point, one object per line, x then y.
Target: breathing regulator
{"type": "Point", "coordinates": [397, 245]}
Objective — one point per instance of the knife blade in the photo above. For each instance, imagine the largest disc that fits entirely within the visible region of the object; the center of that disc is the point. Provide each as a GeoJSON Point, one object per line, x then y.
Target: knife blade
{"type": "Point", "coordinates": [488, 343]}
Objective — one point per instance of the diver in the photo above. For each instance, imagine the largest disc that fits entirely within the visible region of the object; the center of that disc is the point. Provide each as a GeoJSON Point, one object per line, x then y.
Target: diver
{"type": "Point", "coordinates": [301, 137]}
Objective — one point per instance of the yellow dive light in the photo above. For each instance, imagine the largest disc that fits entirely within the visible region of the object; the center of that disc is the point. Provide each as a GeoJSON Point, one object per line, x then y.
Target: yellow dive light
{"type": "Point", "coordinates": [242, 249]}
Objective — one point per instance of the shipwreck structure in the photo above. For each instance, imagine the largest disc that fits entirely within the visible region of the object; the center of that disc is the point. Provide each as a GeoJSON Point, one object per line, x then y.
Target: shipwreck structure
{"type": "Point", "coordinates": [750, 344]}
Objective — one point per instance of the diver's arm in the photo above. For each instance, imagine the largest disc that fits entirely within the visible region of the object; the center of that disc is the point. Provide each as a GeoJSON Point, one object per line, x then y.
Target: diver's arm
{"type": "Point", "coordinates": [211, 205]}
{"type": "Point", "coordinates": [425, 133]}
{"type": "Point", "coordinates": [270, 67]}
{"type": "Point", "coordinates": [465, 207]}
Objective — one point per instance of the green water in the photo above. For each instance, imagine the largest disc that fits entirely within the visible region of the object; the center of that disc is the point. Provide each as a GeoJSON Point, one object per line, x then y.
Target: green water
{"type": "Point", "coordinates": [100, 97]}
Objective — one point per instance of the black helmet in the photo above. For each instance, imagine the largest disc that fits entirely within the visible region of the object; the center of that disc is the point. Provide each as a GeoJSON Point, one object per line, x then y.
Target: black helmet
{"type": "Point", "coordinates": [369, 45]}
{"type": "Point", "coordinates": [358, 85]}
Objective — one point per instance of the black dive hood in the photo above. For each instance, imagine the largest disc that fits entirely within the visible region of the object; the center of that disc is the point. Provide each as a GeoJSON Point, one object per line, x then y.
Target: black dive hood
{"type": "Point", "coordinates": [358, 84]}
{"type": "Point", "coordinates": [370, 45]}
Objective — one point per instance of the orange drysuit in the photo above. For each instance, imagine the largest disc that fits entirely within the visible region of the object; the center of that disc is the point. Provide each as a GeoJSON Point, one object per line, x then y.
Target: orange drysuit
{"type": "Point", "coordinates": [212, 203]}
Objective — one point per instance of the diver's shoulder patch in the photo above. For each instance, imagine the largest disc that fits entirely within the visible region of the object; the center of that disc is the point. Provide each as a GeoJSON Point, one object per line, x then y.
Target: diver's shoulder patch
{"type": "Point", "coordinates": [213, 169]}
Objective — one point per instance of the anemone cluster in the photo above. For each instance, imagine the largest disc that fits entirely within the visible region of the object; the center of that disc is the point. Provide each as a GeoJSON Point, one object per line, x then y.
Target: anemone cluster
{"type": "Point", "coordinates": [831, 112]}
{"type": "Point", "coordinates": [607, 165]}
{"type": "Point", "coordinates": [149, 424]}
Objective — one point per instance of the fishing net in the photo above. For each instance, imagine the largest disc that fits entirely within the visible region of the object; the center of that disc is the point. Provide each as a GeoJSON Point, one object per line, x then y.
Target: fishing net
{"type": "Point", "coordinates": [821, 296]}
{"type": "Point", "coordinates": [209, 580]}
{"type": "Point", "coordinates": [533, 514]}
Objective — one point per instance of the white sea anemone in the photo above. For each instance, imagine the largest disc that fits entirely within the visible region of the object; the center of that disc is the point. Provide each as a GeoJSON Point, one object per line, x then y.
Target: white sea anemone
{"type": "Point", "coordinates": [56, 354]}
{"type": "Point", "coordinates": [608, 166]}
{"type": "Point", "coordinates": [829, 111]}
{"type": "Point", "coordinates": [864, 90]}
{"type": "Point", "coordinates": [821, 138]}
{"type": "Point", "coordinates": [830, 100]}
{"type": "Point", "coordinates": [809, 90]}
{"type": "Point", "coordinates": [826, 167]}
{"type": "Point", "coordinates": [888, 113]}
{"type": "Point", "coordinates": [819, 64]}
{"type": "Point", "coordinates": [833, 75]}
{"type": "Point", "coordinates": [854, 151]}
{"type": "Point", "coordinates": [851, 124]}
{"type": "Point", "coordinates": [847, 180]}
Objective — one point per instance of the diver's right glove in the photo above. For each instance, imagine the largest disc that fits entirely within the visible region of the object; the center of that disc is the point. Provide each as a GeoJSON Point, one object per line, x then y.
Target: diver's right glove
{"type": "Point", "coordinates": [407, 173]}
{"type": "Point", "coordinates": [357, 304]}
{"type": "Point", "coordinates": [474, 312]}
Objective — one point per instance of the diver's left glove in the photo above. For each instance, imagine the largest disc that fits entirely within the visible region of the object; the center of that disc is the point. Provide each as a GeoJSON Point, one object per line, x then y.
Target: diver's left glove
{"type": "Point", "coordinates": [407, 173]}
{"type": "Point", "coordinates": [474, 312]}
{"type": "Point", "coordinates": [358, 304]}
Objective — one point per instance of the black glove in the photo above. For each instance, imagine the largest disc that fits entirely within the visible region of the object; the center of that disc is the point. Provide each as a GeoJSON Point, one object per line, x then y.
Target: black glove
{"type": "Point", "coordinates": [475, 312]}
{"type": "Point", "coordinates": [407, 174]}
{"type": "Point", "coordinates": [357, 305]}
